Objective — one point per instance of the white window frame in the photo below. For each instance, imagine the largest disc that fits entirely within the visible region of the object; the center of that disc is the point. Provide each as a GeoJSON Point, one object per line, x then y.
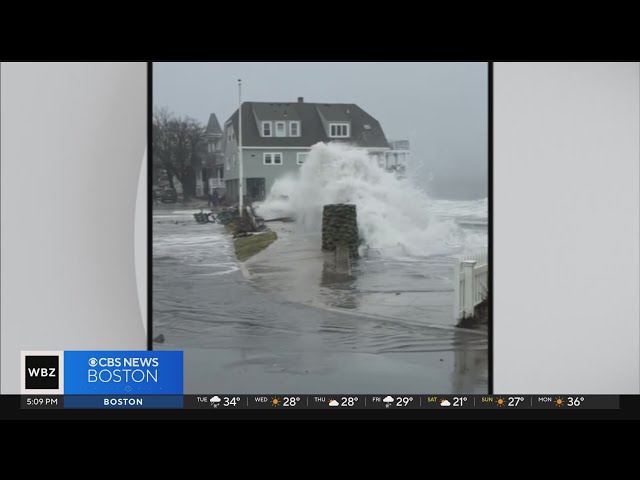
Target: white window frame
{"type": "Point", "coordinates": [306, 154]}
{"type": "Point", "coordinates": [272, 156]}
{"type": "Point", "coordinates": [270, 129]}
{"type": "Point", "coordinates": [339, 124]}
{"type": "Point", "coordinates": [284, 129]}
{"type": "Point", "coordinates": [297, 124]}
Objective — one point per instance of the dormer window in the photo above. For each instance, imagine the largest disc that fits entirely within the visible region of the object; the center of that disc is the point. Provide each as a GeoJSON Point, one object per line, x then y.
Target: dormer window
{"type": "Point", "coordinates": [294, 129]}
{"type": "Point", "coordinates": [266, 129]}
{"type": "Point", "coordinates": [339, 130]}
{"type": "Point", "coordinates": [281, 129]}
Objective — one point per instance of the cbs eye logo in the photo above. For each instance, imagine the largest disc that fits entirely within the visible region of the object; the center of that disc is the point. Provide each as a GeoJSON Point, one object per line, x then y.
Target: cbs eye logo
{"type": "Point", "coordinates": [93, 362]}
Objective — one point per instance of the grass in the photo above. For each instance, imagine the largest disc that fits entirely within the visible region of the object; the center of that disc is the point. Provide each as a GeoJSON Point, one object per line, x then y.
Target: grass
{"type": "Point", "coordinates": [237, 226]}
{"type": "Point", "coordinates": [247, 247]}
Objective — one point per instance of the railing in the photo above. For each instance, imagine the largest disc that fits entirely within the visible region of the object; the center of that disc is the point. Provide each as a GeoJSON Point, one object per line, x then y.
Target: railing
{"type": "Point", "coordinates": [215, 183]}
{"type": "Point", "coordinates": [471, 284]}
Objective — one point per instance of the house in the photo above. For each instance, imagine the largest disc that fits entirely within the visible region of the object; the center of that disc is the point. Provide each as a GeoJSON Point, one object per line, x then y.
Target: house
{"type": "Point", "coordinates": [211, 175]}
{"type": "Point", "coordinates": [277, 138]}
{"type": "Point", "coordinates": [396, 159]}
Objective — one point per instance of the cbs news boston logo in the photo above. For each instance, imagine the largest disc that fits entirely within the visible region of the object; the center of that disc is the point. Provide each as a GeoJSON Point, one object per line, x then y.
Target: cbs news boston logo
{"type": "Point", "coordinates": [103, 372]}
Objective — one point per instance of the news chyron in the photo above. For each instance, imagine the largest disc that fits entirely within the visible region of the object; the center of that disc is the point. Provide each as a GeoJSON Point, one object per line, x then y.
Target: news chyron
{"type": "Point", "coordinates": [102, 373]}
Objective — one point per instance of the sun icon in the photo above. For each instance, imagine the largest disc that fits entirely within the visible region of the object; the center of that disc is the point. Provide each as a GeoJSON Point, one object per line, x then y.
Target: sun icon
{"type": "Point", "coordinates": [559, 401]}
{"type": "Point", "coordinates": [500, 401]}
{"type": "Point", "coordinates": [275, 401]}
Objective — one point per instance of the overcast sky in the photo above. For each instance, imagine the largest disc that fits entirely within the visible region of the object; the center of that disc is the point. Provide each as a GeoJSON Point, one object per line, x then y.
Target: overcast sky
{"type": "Point", "coordinates": [440, 107]}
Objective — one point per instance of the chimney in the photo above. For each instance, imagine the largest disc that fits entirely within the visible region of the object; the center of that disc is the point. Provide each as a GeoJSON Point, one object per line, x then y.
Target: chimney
{"type": "Point", "coordinates": [300, 99]}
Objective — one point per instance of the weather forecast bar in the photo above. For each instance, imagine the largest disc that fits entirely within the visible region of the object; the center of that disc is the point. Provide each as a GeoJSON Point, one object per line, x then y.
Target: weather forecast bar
{"type": "Point", "coordinates": [326, 402]}
{"type": "Point", "coordinates": [404, 401]}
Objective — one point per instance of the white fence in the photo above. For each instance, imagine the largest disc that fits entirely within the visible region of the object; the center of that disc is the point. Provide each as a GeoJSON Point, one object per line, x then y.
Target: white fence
{"type": "Point", "coordinates": [470, 283]}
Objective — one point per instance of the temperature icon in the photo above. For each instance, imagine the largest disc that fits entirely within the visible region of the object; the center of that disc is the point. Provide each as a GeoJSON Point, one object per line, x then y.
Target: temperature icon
{"type": "Point", "coordinates": [230, 401]}
{"type": "Point", "coordinates": [403, 401]}
{"type": "Point", "coordinates": [515, 401]}
{"type": "Point", "coordinates": [574, 401]}
{"type": "Point", "coordinates": [459, 401]}
{"type": "Point", "coordinates": [290, 401]}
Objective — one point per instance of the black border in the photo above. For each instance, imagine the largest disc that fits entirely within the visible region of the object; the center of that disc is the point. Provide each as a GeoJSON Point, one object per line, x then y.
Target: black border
{"type": "Point", "coordinates": [149, 205]}
{"type": "Point", "coordinates": [490, 222]}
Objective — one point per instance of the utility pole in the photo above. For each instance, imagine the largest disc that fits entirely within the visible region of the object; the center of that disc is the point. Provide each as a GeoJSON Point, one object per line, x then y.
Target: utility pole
{"type": "Point", "coordinates": [240, 165]}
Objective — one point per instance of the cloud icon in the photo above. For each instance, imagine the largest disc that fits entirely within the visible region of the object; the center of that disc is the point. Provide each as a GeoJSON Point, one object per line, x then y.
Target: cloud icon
{"type": "Point", "coordinates": [215, 399]}
{"type": "Point", "coordinates": [387, 399]}
{"type": "Point", "coordinates": [445, 403]}
{"type": "Point", "coordinates": [333, 403]}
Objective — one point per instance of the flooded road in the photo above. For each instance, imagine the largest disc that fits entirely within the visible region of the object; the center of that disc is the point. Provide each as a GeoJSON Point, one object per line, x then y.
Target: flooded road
{"type": "Point", "coordinates": [383, 282]}
{"type": "Point", "coordinates": [271, 333]}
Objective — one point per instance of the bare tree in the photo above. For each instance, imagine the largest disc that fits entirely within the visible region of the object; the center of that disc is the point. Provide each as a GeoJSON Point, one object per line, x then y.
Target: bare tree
{"type": "Point", "coordinates": [176, 143]}
{"type": "Point", "coordinates": [162, 144]}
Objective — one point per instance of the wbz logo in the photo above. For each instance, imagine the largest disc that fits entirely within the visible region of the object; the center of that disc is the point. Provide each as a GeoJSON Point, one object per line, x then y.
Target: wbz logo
{"type": "Point", "coordinates": [41, 371]}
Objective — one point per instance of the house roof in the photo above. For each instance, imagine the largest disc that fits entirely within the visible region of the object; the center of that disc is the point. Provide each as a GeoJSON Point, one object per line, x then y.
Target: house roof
{"type": "Point", "coordinates": [213, 127]}
{"type": "Point", "coordinates": [275, 111]}
{"type": "Point", "coordinates": [365, 130]}
{"type": "Point", "coordinates": [335, 113]}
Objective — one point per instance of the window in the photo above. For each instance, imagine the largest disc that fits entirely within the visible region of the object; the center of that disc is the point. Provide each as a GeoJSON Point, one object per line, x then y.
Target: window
{"type": "Point", "coordinates": [294, 129]}
{"type": "Point", "coordinates": [339, 130]}
{"type": "Point", "coordinates": [266, 129]}
{"type": "Point", "coordinates": [281, 130]}
{"type": "Point", "coordinates": [302, 157]}
{"type": "Point", "coordinates": [272, 158]}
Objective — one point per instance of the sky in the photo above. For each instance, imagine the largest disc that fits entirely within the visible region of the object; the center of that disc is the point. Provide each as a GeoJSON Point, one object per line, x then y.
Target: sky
{"type": "Point", "coordinates": [442, 108]}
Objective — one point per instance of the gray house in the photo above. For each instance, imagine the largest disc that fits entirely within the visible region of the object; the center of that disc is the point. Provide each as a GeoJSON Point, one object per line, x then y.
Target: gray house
{"type": "Point", "coordinates": [277, 137]}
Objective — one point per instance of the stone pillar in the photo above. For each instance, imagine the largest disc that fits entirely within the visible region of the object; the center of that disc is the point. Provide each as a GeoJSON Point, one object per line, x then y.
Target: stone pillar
{"type": "Point", "coordinates": [340, 226]}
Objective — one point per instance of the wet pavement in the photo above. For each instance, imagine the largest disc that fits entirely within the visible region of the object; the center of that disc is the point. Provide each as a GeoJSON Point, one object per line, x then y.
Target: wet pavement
{"type": "Point", "coordinates": [292, 326]}
{"type": "Point", "coordinates": [383, 282]}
